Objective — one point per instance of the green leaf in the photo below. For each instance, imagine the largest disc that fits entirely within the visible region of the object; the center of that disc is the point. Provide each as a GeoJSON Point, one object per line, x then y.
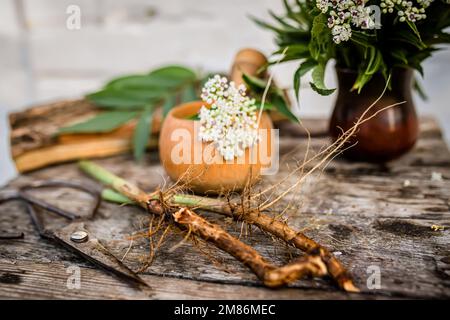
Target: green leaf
{"type": "Point", "coordinates": [172, 76]}
{"type": "Point", "coordinates": [189, 94]}
{"type": "Point", "coordinates": [293, 49]}
{"type": "Point", "coordinates": [112, 98]}
{"type": "Point", "coordinates": [133, 81]}
{"type": "Point", "coordinates": [320, 38]}
{"type": "Point", "coordinates": [419, 89]}
{"type": "Point", "coordinates": [363, 39]}
{"type": "Point", "coordinates": [319, 25]}
{"type": "Point", "coordinates": [103, 122]}
{"type": "Point", "coordinates": [169, 103]}
{"type": "Point", "coordinates": [194, 117]}
{"type": "Point", "coordinates": [297, 17]}
{"type": "Point", "coordinates": [255, 84]}
{"type": "Point", "coordinates": [301, 71]}
{"type": "Point", "coordinates": [275, 98]}
{"type": "Point", "coordinates": [413, 27]}
{"type": "Point", "coordinates": [142, 133]}
{"type": "Point", "coordinates": [400, 55]}
{"type": "Point", "coordinates": [375, 61]}
{"type": "Point", "coordinates": [267, 105]}
{"type": "Point", "coordinates": [164, 78]}
{"type": "Point", "coordinates": [280, 104]}
{"type": "Point", "coordinates": [321, 91]}
{"type": "Point", "coordinates": [288, 57]}
{"type": "Point", "coordinates": [279, 30]}
{"type": "Point", "coordinates": [361, 81]}
{"type": "Point", "coordinates": [408, 38]}
{"type": "Point", "coordinates": [317, 83]}
{"type": "Point", "coordinates": [282, 21]}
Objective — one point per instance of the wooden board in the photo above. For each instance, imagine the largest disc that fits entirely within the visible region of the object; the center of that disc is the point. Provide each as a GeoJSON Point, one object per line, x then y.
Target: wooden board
{"type": "Point", "coordinates": [369, 215]}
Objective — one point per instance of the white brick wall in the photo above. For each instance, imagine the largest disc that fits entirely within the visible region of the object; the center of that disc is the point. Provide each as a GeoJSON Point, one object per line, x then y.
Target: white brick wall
{"type": "Point", "coordinates": [44, 61]}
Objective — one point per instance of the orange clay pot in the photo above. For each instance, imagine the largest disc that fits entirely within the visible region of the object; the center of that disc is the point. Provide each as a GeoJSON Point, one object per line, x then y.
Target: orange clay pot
{"type": "Point", "coordinates": [198, 165]}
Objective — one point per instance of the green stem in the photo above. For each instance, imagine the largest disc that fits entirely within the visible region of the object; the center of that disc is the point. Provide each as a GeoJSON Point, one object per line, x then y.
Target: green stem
{"type": "Point", "coordinates": [99, 173]}
{"type": "Point", "coordinates": [125, 192]}
{"type": "Point", "coordinates": [120, 185]}
{"type": "Point", "coordinates": [113, 196]}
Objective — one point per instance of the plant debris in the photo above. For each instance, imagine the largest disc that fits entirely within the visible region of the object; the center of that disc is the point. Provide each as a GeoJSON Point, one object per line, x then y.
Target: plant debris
{"type": "Point", "coordinates": [436, 227]}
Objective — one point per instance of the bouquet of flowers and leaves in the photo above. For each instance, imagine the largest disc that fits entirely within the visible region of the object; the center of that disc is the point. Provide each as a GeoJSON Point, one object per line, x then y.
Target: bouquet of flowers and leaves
{"type": "Point", "coordinates": [365, 36]}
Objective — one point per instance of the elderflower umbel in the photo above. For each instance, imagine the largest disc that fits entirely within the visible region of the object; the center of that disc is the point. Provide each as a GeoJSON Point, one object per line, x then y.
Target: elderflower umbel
{"type": "Point", "coordinates": [231, 120]}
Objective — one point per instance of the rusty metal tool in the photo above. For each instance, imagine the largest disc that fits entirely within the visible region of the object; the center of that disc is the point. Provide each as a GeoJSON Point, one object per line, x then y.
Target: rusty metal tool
{"type": "Point", "coordinates": [74, 236]}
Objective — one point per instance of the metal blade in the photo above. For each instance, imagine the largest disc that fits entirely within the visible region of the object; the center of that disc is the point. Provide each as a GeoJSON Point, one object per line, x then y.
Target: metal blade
{"type": "Point", "coordinates": [92, 250]}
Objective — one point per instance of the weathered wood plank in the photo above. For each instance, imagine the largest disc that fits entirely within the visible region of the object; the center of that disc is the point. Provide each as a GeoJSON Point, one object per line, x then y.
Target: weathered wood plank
{"type": "Point", "coordinates": [369, 215]}
{"type": "Point", "coordinates": [25, 280]}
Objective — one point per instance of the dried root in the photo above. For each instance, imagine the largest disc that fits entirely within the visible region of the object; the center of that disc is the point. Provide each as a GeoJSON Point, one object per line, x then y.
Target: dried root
{"type": "Point", "coordinates": [281, 230]}
{"type": "Point", "coordinates": [271, 276]}
{"type": "Point", "coordinates": [186, 219]}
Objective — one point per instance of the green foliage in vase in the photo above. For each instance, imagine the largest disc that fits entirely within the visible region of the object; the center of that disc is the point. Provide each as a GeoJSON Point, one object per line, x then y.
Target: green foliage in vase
{"type": "Point", "coordinates": [365, 36]}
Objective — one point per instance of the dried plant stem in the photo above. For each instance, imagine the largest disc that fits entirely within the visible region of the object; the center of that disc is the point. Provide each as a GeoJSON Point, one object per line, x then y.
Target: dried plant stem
{"type": "Point", "coordinates": [327, 155]}
{"type": "Point", "coordinates": [311, 265]}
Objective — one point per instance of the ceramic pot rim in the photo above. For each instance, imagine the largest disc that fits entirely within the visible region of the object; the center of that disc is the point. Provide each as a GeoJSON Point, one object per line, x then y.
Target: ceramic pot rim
{"type": "Point", "coordinates": [184, 110]}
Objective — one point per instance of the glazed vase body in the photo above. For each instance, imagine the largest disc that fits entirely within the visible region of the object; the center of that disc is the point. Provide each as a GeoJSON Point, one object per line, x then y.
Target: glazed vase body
{"type": "Point", "coordinates": [388, 135]}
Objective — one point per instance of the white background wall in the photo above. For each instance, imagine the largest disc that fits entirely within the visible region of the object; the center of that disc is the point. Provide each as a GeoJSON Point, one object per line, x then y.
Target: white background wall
{"type": "Point", "coordinates": [41, 60]}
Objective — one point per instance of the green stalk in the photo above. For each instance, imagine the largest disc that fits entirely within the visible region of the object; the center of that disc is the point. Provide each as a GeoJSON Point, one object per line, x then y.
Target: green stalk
{"type": "Point", "coordinates": [113, 196]}
{"type": "Point", "coordinates": [125, 193]}
{"type": "Point", "coordinates": [131, 191]}
{"type": "Point", "coordinates": [99, 173]}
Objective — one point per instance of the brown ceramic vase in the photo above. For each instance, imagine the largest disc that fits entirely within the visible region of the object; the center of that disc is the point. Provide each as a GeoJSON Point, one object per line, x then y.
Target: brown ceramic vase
{"type": "Point", "coordinates": [389, 134]}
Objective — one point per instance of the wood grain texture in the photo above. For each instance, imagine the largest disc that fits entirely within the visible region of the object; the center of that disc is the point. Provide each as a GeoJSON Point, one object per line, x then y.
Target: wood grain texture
{"type": "Point", "coordinates": [36, 143]}
{"type": "Point", "coordinates": [369, 215]}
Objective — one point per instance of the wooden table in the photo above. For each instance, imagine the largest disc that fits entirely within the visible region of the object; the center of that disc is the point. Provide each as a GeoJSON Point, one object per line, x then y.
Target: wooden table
{"type": "Point", "coordinates": [373, 217]}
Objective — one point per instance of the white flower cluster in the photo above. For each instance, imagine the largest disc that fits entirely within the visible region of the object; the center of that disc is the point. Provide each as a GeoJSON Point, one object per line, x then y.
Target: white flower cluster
{"type": "Point", "coordinates": [231, 121]}
{"type": "Point", "coordinates": [342, 14]}
{"type": "Point", "coordinates": [406, 10]}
